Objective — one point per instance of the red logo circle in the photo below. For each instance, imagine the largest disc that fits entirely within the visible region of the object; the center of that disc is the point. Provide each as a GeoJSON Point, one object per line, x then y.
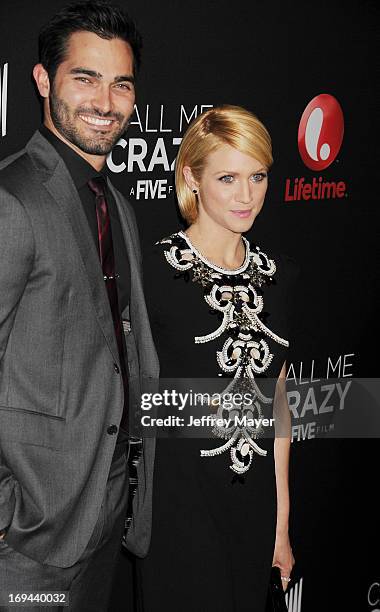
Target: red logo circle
{"type": "Point", "coordinates": [320, 132]}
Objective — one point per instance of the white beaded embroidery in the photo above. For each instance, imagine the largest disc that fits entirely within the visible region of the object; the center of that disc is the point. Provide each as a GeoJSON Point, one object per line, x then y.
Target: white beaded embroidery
{"type": "Point", "coordinates": [245, 355]}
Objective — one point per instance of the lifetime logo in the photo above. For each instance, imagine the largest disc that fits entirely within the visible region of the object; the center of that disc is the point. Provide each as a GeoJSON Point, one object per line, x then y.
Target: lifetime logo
{"type": "Point", "coordinates": [320, 136]}
{"type": "Point", "coordinates": [3, 99]}
{"type": "Point", "coordinates": [320, 132]}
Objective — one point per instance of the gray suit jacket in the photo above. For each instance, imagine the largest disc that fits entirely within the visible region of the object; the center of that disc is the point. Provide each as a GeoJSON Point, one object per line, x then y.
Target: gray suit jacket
{"type": "Point", "coordinates": [59, 388]}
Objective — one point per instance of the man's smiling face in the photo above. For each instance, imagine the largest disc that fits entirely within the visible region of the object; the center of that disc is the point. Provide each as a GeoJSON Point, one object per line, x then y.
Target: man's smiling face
{"type": "Point", "coordinates": [92, 96]}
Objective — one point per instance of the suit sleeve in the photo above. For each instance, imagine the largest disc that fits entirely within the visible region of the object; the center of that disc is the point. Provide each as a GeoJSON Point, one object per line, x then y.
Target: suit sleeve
{"type": "Point", "coordinates": [16, 261]}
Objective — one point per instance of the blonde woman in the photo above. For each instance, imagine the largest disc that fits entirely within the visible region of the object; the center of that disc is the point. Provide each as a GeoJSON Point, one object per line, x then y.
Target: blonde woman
{"type": "Point", "coordinates": [219, 309]}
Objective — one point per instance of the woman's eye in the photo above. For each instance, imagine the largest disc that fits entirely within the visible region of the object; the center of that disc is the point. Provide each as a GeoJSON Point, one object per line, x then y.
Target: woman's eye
{"type": "Point", "coordinates": [226, 178]}
{"type": "Point", "coordinates": [260, 176]}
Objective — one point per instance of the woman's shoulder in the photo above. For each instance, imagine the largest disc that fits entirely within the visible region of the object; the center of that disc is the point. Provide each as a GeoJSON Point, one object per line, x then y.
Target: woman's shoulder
{"type": "Point", "coordinates": [156, 249]}
{"type": "Point", "coordinates": [164, 243]}
{"type": "Point", "coordinates": [166, 276]}
{"type": "Point", "coordinates": [287, 268]}
{"type": "Point", "coordinates": [172, 251]}
{"type": "Point", "coordinates": [160, 259]}
{"type": "Point", "coordinates": [172, 242]}
{"type": "Point", "coordinates": [286, 265]}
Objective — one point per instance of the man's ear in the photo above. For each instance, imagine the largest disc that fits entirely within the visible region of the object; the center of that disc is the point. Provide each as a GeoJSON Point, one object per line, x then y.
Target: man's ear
{"type": "Point", "coordinates": [42, 80]}
{"type": "Point", "coordinates": [189, 178]}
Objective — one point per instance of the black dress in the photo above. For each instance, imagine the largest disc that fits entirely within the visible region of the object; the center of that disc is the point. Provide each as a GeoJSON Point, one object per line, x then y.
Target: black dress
{"type": "Point", "coordinates": [214, 517]}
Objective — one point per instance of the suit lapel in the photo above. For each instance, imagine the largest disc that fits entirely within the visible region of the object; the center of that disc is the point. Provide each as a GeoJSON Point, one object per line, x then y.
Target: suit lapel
{"type": "Point", "coordinates": [62, 189]}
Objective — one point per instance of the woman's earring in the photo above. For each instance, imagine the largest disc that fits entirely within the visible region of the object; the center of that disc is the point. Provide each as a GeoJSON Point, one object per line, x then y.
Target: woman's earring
{"type": "Point", "coordinates": [195, 191]}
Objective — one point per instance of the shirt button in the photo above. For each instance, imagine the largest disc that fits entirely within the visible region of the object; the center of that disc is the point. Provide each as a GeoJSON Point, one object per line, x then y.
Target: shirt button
{"type": "Point", "coordinates": [111, 430]}
{"type": "Point", "coordinates": [116, 368]}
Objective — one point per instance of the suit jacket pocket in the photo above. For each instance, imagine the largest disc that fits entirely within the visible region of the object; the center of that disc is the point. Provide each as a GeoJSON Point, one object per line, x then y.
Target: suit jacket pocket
{"type": "Point", "coordinates": [31, 427]}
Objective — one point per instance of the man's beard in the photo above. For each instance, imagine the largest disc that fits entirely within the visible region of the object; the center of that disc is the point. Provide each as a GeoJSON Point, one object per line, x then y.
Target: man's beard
{"type": "Point", "coordinates": [63, 119]}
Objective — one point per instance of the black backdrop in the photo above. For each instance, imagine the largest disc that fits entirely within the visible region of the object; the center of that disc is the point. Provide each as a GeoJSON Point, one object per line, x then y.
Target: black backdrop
{"type": "Point", "coordinates": [273, 58]}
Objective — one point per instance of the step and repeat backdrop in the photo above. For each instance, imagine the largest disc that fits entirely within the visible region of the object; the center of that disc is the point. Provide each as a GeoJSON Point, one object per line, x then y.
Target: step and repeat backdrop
{"type": "Point", "coordinates": [306, 69]}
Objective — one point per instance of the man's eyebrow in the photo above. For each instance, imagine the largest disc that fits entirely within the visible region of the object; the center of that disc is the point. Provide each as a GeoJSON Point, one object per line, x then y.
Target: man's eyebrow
{"type": "Point", "coordinates": [87, 71]}
{"type": "Point", "coordinates": [124, 77]}
{"type": "Point", "coordinates": [98, 75]}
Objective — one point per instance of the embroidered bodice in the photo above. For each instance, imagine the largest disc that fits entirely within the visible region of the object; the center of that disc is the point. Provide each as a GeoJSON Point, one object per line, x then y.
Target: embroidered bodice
{"type": "Point", "coordinates": [236, 294]}
{"type": "Point", "coordinates": [240, 341]}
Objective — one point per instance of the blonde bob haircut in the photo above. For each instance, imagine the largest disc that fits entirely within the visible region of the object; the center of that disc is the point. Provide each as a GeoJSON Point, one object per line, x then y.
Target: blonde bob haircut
{"type": "Point", "coordinates": [227, 124]}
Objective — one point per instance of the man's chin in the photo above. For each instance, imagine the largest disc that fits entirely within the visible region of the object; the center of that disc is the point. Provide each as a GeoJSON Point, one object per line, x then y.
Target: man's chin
{"type": "Point", "coordinates": [99, 146]}
{"type": "Point", "coordinates": [98, 149]}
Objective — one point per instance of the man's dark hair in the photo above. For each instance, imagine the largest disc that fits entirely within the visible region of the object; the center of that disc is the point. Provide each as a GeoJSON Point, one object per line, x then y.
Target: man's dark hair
{"type": "Point", "coordinates": [96, 16]}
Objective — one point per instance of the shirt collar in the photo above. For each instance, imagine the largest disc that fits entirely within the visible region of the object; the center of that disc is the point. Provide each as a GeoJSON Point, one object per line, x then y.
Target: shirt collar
{"type": "Point", "coordinates": [80, 170]}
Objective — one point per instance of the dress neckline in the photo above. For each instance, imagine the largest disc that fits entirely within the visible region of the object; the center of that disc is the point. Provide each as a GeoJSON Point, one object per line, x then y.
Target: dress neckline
{"type": "Point", "coordinates": [209, 263]}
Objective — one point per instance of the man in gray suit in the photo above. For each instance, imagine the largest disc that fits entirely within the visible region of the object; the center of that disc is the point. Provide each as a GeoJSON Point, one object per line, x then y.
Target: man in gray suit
{"type": "Point", "coordinates": [75, 343]}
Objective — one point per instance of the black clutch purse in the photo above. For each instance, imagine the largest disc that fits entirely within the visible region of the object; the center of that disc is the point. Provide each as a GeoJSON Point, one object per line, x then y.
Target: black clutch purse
{"type": "Point", "coordinates": [276, 595]}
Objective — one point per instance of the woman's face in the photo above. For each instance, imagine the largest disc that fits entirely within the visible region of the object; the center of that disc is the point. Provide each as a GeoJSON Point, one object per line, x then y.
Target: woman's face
{"type": "Point", "coordinates": [231, 190]}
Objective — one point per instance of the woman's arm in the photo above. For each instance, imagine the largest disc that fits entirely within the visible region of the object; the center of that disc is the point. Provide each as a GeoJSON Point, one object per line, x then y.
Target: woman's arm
{"type": "Point", "coordinates": [283, 556]}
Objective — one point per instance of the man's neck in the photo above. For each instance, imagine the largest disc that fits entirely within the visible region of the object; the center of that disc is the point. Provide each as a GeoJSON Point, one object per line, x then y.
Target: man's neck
{"type": "Point", "coordinates": [96, 161]}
